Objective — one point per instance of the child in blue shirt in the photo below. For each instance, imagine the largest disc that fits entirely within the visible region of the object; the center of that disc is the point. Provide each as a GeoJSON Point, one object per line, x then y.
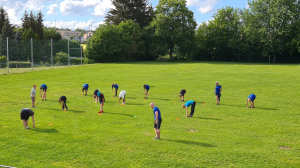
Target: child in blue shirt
{"type": "Point", "coordinates": [116, 88]}
{"type": "Point", "coordinates": [85, 88]}
{"type": "Point", "coordinates": [44, 88]}
{"type": "Point", "coordinates": [146, 87]}
{"type": "Point", "coordinates": [217, 91]}
{"type": "Point", "coordinates": [251, 99]}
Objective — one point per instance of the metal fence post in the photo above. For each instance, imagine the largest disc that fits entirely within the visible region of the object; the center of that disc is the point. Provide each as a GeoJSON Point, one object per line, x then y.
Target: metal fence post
{"type": "Point", "coordinates": [68, 52]}
{"type": "Point", "coordinates": [81, 52]}
{"type": "Point", "coordinates": [31, 55]}
{"type": "Point", "coordinates": [7, 56]}
{"type": "Point", "coordinates": [51, 54]}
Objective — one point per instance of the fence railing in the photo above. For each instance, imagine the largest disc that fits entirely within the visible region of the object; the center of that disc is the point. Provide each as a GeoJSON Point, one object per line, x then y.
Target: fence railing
{"type": "Point", "coordinates": [25, 55]}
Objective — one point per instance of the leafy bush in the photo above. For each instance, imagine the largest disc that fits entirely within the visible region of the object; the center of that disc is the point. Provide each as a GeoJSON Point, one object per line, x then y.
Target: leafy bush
{"type": "Point", "coordinates": [3, 59]}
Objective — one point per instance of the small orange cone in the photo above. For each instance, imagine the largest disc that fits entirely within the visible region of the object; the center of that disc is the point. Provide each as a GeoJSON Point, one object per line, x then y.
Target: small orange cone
{"type": "Point", "coordinates": [178, 119]}
{"type": "Point", "coordinates": [144, 99]}
{"type": "Point", "coordinates": [99, 113]}
{"type": "Point", "coordinates": [174, 101]}
{"type": "Point", "coordinates": [113, 97]}
{"type": "Point", "coordinates": [50, 124]}
{"type": "Point", "coordinates": [79, 95]}
{"type": "Point", "coordinates": [203, 103]}
{"type": "Point", "coordinates": [64, 110]}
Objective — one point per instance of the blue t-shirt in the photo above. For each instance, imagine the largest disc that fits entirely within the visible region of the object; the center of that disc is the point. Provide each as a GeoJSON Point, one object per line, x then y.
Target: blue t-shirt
{"type": "Point", "coordinates": [43, 86]}
{"type": "Point", "coordinates": [189, 103]}
{"type": "Point", "coordinates": [116, 86]}
{"type": "Point", "coordinates": [218, 88]}
{"type": "Point", "coordinates": [147, 87]}
{"type": "Point", "coordinates": [252, 97]}
{"type": "Point", "coordinates": [86, 86]}
{"type": "Point", "coordinates": [154, 110]}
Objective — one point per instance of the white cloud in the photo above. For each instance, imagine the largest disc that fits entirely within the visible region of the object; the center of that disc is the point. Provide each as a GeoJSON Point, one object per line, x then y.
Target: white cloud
{"type": "Point", "coordinates": [74, 24]}
{"type": "Point", "coordinates": [52, 9]}
{"type": "Point", "coordinates": [204, 6]}
{"type": "Point", "coordinates": [73, 7]}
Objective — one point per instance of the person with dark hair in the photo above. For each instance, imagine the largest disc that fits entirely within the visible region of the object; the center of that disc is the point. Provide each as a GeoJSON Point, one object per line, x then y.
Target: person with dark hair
{"type": "Point", "coordinates": [95, 95]}
{"type": "Point", "coordinates": [44, 88]}
{"type": "Point", "coordinates": [157, 120]}
{"type": "Point", "coordinates": [217, 92]}
{"type": "Point", "coordinates": [101, 101]}
{"type": "Point", "coordinates": [187, 105]}
{"type": "Point", "coordinates": [181, 94]}
{"type": "Point", "coordinates": [25, 114]}
{"type": "Point", "coordinates": [146, 87]}
{"type": "Point", "coordinates": [64, 100]}
{"type": "Point", "coordinates": [250, 100]}
{"type": "Point", "coordinates": [116, 88]}
{"type": "Point", "coordinates": [85, 88]}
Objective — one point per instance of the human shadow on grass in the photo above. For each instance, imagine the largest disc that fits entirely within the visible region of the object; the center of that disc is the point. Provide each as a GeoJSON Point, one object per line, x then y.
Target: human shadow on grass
{"type": "Point", "coordinates": [51, 130]}
{"type": "Point", "coordinates": [74, 111]}
{"type": "Point", "coordinates": [128, 115]}
{"type": "Point", "coordinates": [206, 118]}
{"type": "Point", "coordinates": [136, 104]}
{"type": "Point", "coordinates": [190, 143]}
{"type": "Point", "coordinates": [244, 106]}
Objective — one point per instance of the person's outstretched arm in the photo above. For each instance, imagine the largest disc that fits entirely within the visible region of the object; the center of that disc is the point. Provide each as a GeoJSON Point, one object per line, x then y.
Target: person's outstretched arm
{"type": "Point", "coordinates": [103, 101]}
{"type": "Point", "coordinates": [60, 104]}
{"type": "Point", "coordinates": [156, 116]}
{"type": "Point", "coordinates": [33, 124]}
{"type": "Point", "coordinates": [221, 89]}
{"type": "Point", "coordinates": [183, 98]}
{"type": "Point", "coordinates": [247, 103]}
{"type": "Point", "coordinates": [41, 92]}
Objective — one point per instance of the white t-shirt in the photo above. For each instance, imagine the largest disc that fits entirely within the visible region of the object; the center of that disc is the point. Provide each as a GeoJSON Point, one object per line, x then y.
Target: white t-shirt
{"type": "Point", "coordinates": [32, 92]}
{"type": "Point", "coordinates": [122, 94]}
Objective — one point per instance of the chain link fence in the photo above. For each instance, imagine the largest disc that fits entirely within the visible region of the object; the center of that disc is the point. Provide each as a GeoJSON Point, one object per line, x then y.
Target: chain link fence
{"type": "Point", "coordinates": [28, 55]}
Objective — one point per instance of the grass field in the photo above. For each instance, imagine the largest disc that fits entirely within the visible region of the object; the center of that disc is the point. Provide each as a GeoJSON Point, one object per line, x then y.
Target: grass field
{"type": "Point", "coordinates": [227, 135]}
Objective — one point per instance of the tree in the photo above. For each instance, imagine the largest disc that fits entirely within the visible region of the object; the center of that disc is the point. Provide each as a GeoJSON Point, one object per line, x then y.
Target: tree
{"type": "Point", "coordinates": [139, 11]}
{"type": "Point", "coordinates": [40, 25]}
{"type": "Point", "coordinates": [25, 21]}
{"type": "Point", "coordinates": [175, 25]}
{"type": "Point", "coordinates": [32, 21]}
{"type": "Point", "coordinates": [51, 34]}
{"type": "Point", "coordinates": [3, 18]}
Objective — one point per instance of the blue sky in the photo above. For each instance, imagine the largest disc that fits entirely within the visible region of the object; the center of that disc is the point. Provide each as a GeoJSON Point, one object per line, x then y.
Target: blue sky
{"type": "Point", "coordinates": [82, 13]}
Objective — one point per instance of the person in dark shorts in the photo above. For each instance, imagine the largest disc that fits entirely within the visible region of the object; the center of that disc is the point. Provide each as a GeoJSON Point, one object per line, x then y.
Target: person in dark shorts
{"type": "Point", "coordinates": [250, 100]}
{"type": "Point", "coordinates": [32, 95]}
{"type": "Point", "coordinates": [44, 88]}
{"type": "Point", "coordinates": [64, 100]}
{"type": "Point", "coordinates": [146, 87]}
{"type": "Point", "coordinates": [157, 120]}
{"type": "Point", "coordinates": [181, 94]}
{"type": "Point", "coordinates": [116, 88]}
{"type": "Point", "coordinates": [25, 114]}
{"type": "Point", "coordinates": [85, 88]}
{"type": "Point", "coordinates": [95, 95]}
{"type": "Point", "coordinates": [187, 105]}
{"type": "Point", "coordinates": [217, 92]}
{"type": "Point", "coordinates": [101, 100]}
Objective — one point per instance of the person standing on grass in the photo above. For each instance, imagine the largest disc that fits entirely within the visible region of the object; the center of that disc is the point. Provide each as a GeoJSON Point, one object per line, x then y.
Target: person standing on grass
{"type": "Point", "coordinates": [181, 94]}
{"type": "Point", "coordinates": [250, 100]}
{"type": "Point", "coordinates": [187, 105]}
{"type": "Point", "coordinates": [116, 88]}
{"type": "Point", "coordinates": [101, 100]}
{"type": "Point", "coordinates": [64, 100]}
{"type": "Point", "coordinates": [25, 114]}
{"type": "Point", "coordinates": [85, 88]}
{"type": "Point", "coordinates": [146, 87]}
{"type": "Point", "coordinates": [95, 95]}
{"type": "Point", "coordinates": [217, 91]}
{"type": "Point", "coordinates": [32, 95]}
{"type": "Point", "coordinates": [44, 88]}
{"type": "Point", "coordinates": [157, 120]}
{"type": "Point", "coordinates": [122, 95]}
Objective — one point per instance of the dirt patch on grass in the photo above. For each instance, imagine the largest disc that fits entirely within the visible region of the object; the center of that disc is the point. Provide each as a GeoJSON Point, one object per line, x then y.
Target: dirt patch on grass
{"type": "Point", "coordinates": [192, 130]}
{"type": "Point", "coordinates": [284, 147]}
{"type": "Point", "coordinates": [147, 133]}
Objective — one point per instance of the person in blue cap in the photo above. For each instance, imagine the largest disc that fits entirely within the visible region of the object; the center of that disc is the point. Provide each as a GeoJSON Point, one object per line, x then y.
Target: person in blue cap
{"type": "Point", "coordinates": [95, 96]}
{"type": "Point", "coordinates": [44, 88]}
{"type": "Point", "coordinates": [116, 88]}
{"type": "Point", "coordinates": [146, 87]}
{"type": "Point", "coordinates": [217, 91]}
{"type": "Point", "coordinates": [85, 88]}
{"type": "Point", "coordinates": [187, 105]}
{"type": "Point", "coordinates": [250, 100]}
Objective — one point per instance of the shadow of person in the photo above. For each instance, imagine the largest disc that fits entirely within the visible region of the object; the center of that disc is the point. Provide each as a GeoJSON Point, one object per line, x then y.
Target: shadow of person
{"type": "Point", "coordinates": [51, 130]}
{"type": "Point", "coordinates": [190, 143]}
{"type": "Point", "coordinates": [206, 118]}
{"type": "Point", "coordinates": [128, 115]}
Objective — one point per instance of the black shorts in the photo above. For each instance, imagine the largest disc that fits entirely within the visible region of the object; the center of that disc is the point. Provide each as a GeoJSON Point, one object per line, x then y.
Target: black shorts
{"type": "Point", "coordinates": [147, 90]}
{"type": "Point", "coordinates": [44, 90]}
{"type": "Point", "coordinates": [157, 126]}
{"type": "Point", "coordinates": [96, 92]}
{"type": "Point", "coordinates": [219, 95]}
{"type": "Point", "coordinates": [25, 114]}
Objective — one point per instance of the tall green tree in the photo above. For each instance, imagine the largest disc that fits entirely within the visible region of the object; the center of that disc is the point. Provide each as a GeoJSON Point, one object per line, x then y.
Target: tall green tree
{"type": "Point", "coordinates": [40, 25]}
{"type": "Point", "coordinates": [25, 21]}
{"type": "Point", "coordinates": [32, 21]}
{"type": "Point", "coordinates": [139, 11]}
{"type": "Point", "coordinates": [175, 25]}
{"type": "Point", "coordinates": [3, 17]}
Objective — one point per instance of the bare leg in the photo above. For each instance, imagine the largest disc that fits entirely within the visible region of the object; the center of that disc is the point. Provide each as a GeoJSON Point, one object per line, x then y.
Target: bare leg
{"type": "Point", "coordinates": [158, 133]}
{"type": "Point", "coordinates": [155, 132]}
{"type": "Point", "coordinates": [101, 107]}
{"type": "Point", "coordinates": [24, 123]}
{"type": "Point", "coordinates": [217, 99]}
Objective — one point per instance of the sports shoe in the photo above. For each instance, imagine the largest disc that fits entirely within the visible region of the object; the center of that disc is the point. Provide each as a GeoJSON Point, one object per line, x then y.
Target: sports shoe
{"type": "Point", "coordinates": [45, 99]}
{"type": "Point", "coordinates": [156, 138]}
{"type": "Point", "coordinates": [42, 99]}
{"type": "Point", "coordinates": [67, 109]}
{"type": "Point", "coordinates": [27, 128]}
{"type": "Point", "coordinates": [33, 106]}
{"type": "Point", "coordinates": [62, 109]}
{"type": "Point", "coordinates": [100, 112]}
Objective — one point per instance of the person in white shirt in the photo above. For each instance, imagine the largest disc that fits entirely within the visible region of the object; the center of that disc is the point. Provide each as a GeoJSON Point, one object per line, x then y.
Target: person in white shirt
{"type": "Point", "coordinates": [32, 95]}
{"type": "Point", "coordinates": [122, 95]}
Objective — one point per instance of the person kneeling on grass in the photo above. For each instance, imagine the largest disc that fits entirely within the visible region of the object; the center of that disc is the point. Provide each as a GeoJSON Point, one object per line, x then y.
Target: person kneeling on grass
{"type": "Point", "coordinates": [147, 87]}
{"type": "Point", "coordinates": [157, 120]}
{"type": "Point", "coordinates": [64, 100]}
{"type": "Point", "coordinates": [187, 105]}
{"type": "Point", "coordinates": [122, 95]}
{"type": "Point", "coordinates": [85, 88]}
{"type": "Point", "coordinates": [25, 114]}
{"type": "Point", "coordinates": [44, 88]}
{"type": "Point", "coordinates": [181, 94]}
{"type": "Point", "coordinates": [251, 99]}
{"type": "Point", "coordinates": [101, 100]}
{"type": "Point", "coordinates": [95, 95]}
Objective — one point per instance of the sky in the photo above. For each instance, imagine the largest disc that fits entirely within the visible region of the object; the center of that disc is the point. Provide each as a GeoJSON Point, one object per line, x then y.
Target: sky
{"type": "Point", "coordinates": [88, 14]}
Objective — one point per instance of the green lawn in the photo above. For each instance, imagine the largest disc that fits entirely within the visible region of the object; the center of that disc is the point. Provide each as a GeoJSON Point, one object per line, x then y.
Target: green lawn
{"type": "Point", "coordinates": [227, 135]}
